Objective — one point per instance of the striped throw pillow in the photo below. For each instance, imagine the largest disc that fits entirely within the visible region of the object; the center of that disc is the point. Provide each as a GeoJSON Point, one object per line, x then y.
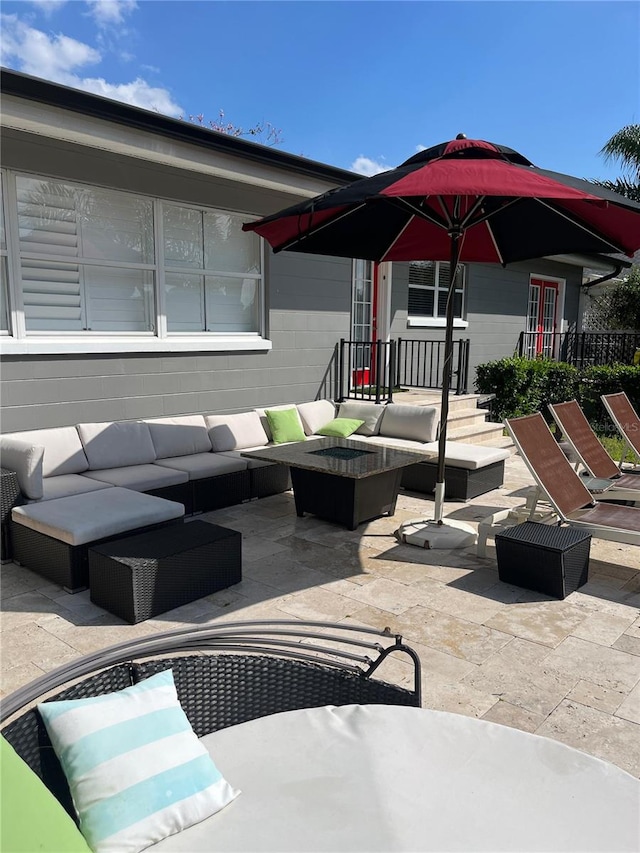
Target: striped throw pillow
{"type": "Point", "coordinates": [136, 769]}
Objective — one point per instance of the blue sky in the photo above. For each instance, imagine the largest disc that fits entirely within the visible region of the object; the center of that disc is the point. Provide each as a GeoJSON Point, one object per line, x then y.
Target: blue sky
{"type": "Point", "coordinates": [359, 85]}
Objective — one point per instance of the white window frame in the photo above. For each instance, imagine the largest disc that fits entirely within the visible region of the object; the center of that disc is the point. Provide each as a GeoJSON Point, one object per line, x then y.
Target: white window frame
{"type": "Point", "coordinates": [20, 341]}
{"type": "Point", "coordinates": [427, 321]}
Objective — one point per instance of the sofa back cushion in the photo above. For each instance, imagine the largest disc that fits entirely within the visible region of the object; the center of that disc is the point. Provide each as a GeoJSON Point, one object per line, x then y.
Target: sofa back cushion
{"type": "Point", "coordinates": [316, 414]}
{"type": "Point", "coordinates": [182, 436]}
{"type": "Point", "coordinates": [416, 423]}
{"type": "Point", "coordinates": [63, 453]}
{"type": "Point", "coordinates": [236, 432]}
{"type": "Point", "coordinates": [114, 445]}
{"type": "Point", "coordinates": [25, 458]}
{"type": "Point", "coordinates": [370, 413]}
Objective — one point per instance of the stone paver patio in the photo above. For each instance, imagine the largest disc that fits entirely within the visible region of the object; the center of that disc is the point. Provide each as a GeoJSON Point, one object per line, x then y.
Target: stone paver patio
{"type": "Point", "coordinates": [568, 669]}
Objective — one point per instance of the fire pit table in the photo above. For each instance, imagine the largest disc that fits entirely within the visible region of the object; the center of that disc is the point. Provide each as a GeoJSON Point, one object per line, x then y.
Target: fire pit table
{"type": "Point", "coordinates": [340, 479]}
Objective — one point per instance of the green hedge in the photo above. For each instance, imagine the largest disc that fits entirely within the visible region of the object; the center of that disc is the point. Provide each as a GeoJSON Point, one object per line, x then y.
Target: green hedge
{"type": "Point", "coordinates": [523, 386]}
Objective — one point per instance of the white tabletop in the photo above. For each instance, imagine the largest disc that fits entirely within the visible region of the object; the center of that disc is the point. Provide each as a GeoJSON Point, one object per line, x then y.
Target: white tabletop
{"type": "Point", "coordinates": [388, 778]}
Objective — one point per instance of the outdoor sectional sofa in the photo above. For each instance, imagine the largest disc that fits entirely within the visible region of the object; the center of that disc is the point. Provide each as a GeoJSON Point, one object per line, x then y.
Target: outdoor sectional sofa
{"type": "Point", "coordinates": [85, 484]}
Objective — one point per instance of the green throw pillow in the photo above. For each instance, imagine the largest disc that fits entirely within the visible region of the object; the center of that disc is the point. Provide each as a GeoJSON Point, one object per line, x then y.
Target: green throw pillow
{"type": "Point", "coordinates": [32, 819]}
{"type": "Point", "coordinates": [285, 425]}
{"type": "Point", "coordinates": [340, 427]}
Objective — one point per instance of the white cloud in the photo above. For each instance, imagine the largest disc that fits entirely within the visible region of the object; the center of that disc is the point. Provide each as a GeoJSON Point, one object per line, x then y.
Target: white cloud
{"type": "Point", "coordinates": [421, 147]}
{"type": "Point", "coordinates": [58, 58]}
{"type": "Point", "coordinates": [49, 6]}
{"type": "Point", "coordinates": [366, 166]}
{"type": "Point", "coordinates": [110, 12]}
{"type": "Point", "coordinates": [37, 53]}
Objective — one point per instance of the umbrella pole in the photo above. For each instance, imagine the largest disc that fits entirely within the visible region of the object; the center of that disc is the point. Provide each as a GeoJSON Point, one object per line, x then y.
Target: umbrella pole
{"type": "Point", "coordinates": [456, 236]}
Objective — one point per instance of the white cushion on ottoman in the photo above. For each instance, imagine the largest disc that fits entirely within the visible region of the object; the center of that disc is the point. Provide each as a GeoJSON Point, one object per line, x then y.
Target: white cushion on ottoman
{"type": "Point", "coordinates": [469, 456]}
{"type": "Point", "coordinates": [79, 519]}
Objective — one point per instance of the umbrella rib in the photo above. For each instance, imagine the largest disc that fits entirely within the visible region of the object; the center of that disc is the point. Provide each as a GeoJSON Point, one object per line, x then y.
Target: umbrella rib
{"type": "Point", "coordinates": [312, 231]}
{"type": "Point", "coordinates": [592, 232]}
{"type": "Point", "coordinates": [418, 211]}
{"type": "Point", "coordinates": [495, 243]}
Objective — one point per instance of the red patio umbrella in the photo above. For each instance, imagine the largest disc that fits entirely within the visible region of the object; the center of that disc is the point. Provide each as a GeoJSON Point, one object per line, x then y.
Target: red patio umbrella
{"type": "Point", "coordinates": [461, 201]}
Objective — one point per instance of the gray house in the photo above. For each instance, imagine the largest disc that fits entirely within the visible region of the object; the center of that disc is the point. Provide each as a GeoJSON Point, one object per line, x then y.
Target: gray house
{"type": "Point", "coordinates": [130, 291]}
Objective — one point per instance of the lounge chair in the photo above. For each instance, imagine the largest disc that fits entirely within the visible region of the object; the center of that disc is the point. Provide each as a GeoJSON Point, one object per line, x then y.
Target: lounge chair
{"type": "Point", "coordinates": [625, 418]}
{"type": "Point", "coordinates": [597, 462]}
{"type": "Point", "coordinates": [567, 493]}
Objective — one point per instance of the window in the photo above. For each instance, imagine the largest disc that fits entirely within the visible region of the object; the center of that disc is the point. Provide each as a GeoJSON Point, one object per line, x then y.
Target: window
{"type": "Point", "coordinates": [428, 287]}
{"type": "Point", "coordinates": [98, 264]}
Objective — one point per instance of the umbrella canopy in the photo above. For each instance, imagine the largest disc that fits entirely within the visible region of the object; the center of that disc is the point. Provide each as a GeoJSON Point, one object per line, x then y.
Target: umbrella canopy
{"type": "Point", "coordinates": [461, 201]}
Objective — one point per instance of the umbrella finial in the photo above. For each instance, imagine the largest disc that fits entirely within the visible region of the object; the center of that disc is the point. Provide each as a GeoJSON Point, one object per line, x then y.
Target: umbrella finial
{"type": "Point", "coordinates": [461, 136]}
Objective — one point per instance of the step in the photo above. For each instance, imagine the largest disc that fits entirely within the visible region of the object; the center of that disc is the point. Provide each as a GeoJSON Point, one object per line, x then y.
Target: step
{"type": "Point", "coordinates": [461, 418]}
{"type": "Point", "coordinates": [486, 433]}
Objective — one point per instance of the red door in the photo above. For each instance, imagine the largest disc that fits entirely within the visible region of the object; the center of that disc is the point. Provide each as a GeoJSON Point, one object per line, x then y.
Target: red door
{"type": "Point", "coordinates": [542, 318]}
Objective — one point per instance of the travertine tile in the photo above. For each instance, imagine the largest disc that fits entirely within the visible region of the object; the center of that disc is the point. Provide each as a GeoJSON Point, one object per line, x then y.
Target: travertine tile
{"type": "Point", "coordinates": [603, 628]}
{"type": "Point", "coordinates": [546, 622]}
{"type": "Point", "coordinates": [319, 604]}
{"type": "Point", "coordinates": [608, 667]}
{"type": "Point", "coordinates": [457, 602]}
{"type": "Point", "coordinates": [627, 643]}
{"type": "Point", "coordinates": [630, 707]}
{"type": "Point", "coordinates": [458, 698]}
{"type": "Point", "coordinates": [595, 696]}
{"type": "Point", "coordinates": [385, 594]}
{"type": "Point", "coordinates": [514, 716]}
{"type": "Point", "coordinates": [600, 734]}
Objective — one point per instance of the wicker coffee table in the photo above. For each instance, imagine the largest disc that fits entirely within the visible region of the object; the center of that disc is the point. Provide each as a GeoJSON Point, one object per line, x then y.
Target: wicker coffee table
{"type": "Point", "coordinates": [140, 576]}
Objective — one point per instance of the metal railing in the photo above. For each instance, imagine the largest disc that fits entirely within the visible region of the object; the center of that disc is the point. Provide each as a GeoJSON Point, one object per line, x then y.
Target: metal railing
{"type": "Point", "coordinates": [370, 370]}
{"type": "Point", "coordinates": [581, 349]}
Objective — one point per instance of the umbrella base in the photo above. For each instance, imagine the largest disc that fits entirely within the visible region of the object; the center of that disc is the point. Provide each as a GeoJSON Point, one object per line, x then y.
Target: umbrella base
{"type": "Point", "coordinates": [430, 534]}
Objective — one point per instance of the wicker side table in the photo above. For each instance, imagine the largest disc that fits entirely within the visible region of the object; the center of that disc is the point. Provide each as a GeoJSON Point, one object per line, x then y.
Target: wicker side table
{"type": "Point", "coordinates": [10, 496]}
{"type": "Point", "coordinates": [548, 559]}
{"type": "Point", "coordinates": [137, 577]}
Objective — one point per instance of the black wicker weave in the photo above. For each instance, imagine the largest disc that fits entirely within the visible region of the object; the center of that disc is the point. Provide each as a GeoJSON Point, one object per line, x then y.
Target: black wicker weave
{"type": "Point", "coordinates": [61, 563]}
{"type": "Point", "coordinates": [10, 496]}
{"type": "Point", "coordinates": [461, 484]}
{"type": "Point", "coordinates": [269, 480]}
{"type": "Point", "coordinates": [146, 574]}
{"type": "Point", "coordinates": [224, 676]}
{"type": "Point", "coordinates": [545, 558]}
{"type": "Point", "coordinates": [220, 491]}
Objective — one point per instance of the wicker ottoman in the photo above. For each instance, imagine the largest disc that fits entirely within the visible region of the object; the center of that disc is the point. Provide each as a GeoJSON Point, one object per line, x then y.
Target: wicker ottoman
{"type": "Point", "coordinates": [548, 559]}
{"type": "Point", "coordinates": [141, 576]}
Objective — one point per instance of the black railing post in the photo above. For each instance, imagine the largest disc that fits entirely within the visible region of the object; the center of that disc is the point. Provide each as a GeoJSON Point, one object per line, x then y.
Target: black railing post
{"type": "Point", "coordinates": [392, 368]}
{"type": "Point", "coordinates": [340, 388]}
{"type": "Point", "coordinates": [398, 351]}
{"type": "Point", "coordinates": [520, 349]}
{"type": "Point", "coordinates": [378, 345]}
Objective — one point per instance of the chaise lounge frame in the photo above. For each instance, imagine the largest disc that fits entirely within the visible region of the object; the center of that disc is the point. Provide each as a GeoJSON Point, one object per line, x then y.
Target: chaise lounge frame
{"type": "Point", "coordinates": [564, 489]}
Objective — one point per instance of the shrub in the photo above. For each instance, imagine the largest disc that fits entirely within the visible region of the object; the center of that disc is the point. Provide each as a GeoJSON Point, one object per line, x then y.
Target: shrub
{"type": "Point", "coordinates": [523, 386]}
{"type": "Point", "coordinates": [607, 379]}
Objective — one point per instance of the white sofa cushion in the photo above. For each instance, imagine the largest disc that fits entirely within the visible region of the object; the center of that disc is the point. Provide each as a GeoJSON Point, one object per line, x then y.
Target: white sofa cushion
{"type": "Point", "coordinates": [370, 413]}
{"type": "Point", "coordinates": [63, 453]}
{"type": "Point", "coordinates": [114, 445]}
{"type": "Point", "coordinates": [70, 484]}
{"type": "Point", "coordinates": [236, 432]}
{"type": "Point", "coordinates": [179, 436]}
{"type": "Point", "coordinates": [25, 458]}
{"type": "Point", "coordinates": [141, 478]}
{"type": "Point", "coordinates": [469, 456]}
{"type": "Point", "coordinates": [316, 414]}
{"type": "Point", "coordinates": [201, 465]}
{"type": "Point", "coordinates": [79, 519]}
{"type": "Point", "coordinates": [399, 443]}
{"type": "Point", "coordinates": [416, 423]}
